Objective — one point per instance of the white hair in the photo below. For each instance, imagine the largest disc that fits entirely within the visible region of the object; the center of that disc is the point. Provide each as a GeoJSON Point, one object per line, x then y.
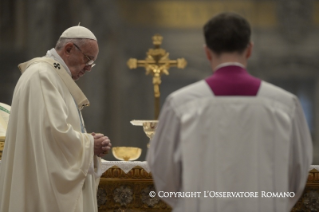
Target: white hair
{"type": "Point", "coordinates": [63, 41]}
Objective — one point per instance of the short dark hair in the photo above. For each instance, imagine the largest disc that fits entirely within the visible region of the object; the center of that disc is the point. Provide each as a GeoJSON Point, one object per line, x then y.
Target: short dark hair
{"type": "Point", "coordinates": [227, 32]}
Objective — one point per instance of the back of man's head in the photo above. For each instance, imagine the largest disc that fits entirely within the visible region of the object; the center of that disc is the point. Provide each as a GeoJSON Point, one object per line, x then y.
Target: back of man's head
{"type": "Point", "coordinates": [227, 32]}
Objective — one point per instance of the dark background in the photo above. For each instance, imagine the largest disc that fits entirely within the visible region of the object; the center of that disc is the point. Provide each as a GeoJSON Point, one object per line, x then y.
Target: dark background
{"type": "Point", "coordinates": [285, 36]}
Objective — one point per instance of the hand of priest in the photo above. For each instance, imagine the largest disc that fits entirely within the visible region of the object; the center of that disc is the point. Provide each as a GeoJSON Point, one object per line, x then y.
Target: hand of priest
{"type": "Point", "coordinates": [102, 144]}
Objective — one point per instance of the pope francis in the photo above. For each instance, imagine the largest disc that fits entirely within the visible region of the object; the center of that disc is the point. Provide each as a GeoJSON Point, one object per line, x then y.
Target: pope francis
{"type": "Point", "coordinates": [49, 162]}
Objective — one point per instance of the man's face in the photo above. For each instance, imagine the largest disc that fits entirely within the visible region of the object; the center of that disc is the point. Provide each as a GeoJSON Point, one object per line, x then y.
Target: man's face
{"type": "Point", "coordinates": [81, 55]}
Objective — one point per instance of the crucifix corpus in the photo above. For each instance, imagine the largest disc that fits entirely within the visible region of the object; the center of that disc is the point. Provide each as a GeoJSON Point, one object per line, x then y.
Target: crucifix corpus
{"type": "Point", "coordinates": [156, 63]}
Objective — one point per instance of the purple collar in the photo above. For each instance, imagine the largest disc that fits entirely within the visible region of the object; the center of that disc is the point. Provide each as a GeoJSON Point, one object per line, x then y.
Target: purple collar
{"type": "Point", "coordinates": [233, 81]}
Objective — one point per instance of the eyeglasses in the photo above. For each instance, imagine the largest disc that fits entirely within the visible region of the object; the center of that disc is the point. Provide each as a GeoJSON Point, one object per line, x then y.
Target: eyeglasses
{"type": "Point", "coordinates": [90, 62]}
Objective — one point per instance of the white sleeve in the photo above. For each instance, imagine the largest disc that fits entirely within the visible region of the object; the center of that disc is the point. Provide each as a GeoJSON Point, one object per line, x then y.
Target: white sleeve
{"type": "Point", "coordinates": [95, 167]}
{"type": "Point", "coordinates": [163, 156]}
{"type": "Point", "coordinates": [300, 154]}
{"type": "Point", "coordinates": [91, 168]}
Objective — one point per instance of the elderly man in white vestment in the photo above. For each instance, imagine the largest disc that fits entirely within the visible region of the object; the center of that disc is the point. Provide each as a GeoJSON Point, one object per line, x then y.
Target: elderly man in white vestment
{"type": "Point", "coordinates": [231, 142]}
{"type": "Point", "coordinates": [50, 163]}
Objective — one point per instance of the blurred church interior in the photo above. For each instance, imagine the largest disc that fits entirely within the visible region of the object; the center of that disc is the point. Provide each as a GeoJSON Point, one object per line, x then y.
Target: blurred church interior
{"type": "Point", "coordinates": [285, 36]}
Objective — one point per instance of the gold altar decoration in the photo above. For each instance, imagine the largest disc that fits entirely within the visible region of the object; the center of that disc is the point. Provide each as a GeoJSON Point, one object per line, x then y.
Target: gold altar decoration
{"type": "Point", "coordinates": [126, 153]}
{"type": "Point", "coordinates": [149, 127]}
{"type": "Point", "coordinates": [2, 138]}
{"type": "Point", "coordinates": [120, 191]}
{"type": "Point", "coordinates": [157, 63]}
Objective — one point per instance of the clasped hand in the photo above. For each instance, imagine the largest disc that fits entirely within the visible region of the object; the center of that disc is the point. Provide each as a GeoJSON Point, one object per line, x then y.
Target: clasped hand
{"type": "Point", "coordinates": [102, 144]}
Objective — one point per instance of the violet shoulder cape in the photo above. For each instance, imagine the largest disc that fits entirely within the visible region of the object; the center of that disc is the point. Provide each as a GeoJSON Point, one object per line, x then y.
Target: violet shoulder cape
{"type": "Point", "coordinates": [233, 81]}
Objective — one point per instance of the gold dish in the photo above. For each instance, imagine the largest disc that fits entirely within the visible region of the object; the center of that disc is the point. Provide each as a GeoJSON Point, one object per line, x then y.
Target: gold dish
{"type": "Point", "coordinates": [126, 153]}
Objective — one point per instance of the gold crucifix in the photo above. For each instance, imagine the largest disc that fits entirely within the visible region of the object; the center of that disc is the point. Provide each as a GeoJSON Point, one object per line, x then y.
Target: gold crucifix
{"type": "Point", "coordinates": [157, 63]}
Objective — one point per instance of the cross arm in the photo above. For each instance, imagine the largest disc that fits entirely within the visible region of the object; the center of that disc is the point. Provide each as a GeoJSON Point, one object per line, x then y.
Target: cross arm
{"type": "Point", "coordinates": [133, 63]}
{"type": "Point", "coordinates": [180, 63]}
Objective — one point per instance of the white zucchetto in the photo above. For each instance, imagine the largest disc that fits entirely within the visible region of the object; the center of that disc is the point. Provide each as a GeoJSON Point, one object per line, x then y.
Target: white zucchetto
{"type": "Point", "coordinates": [78, 32]}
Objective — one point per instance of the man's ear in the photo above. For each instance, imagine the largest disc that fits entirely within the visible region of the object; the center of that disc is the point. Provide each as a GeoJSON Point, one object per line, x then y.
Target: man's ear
{"type": "Point", "coordinates": [67, 48]}
{"type": "Point", "coordinates": [249, 50]}
{"type": "Point", "coordinates": [208, 53]}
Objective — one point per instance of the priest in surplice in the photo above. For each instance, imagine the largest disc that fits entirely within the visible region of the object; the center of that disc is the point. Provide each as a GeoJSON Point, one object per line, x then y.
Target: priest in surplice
{"type": "Point", "coordinates": [230, 133]}
{"type": "Point", "coordinates": [50, 163]}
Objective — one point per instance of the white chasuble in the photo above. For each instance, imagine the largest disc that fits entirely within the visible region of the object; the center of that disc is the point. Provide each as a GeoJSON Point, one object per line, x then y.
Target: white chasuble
{"type": "Point", "coordinates": [222, 146]}
{"type": "Point", "coordinates": [46, 158]}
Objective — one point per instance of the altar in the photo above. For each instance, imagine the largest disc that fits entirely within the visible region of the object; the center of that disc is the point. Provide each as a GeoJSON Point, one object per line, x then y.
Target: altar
{"type": "Point", "coordinates": [126, 186]}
